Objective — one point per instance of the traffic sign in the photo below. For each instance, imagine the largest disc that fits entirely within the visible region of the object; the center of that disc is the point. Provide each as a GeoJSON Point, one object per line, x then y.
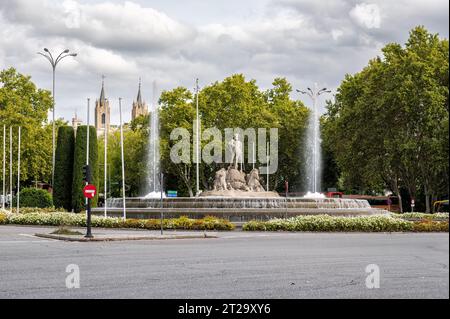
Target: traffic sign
{"type": "Point", "coordinates": [172, 194]}
{"type": "Point", "coordinates": [89, 191]}
{"type": "Point", "coordinates": [412, 203]}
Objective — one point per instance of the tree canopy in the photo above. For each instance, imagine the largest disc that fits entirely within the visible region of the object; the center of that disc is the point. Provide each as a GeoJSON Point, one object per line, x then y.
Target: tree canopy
{"type": "Point", "coordinates": [388, 125]}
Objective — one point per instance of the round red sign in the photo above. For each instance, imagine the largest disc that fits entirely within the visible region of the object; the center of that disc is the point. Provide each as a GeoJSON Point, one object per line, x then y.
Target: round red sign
{"type": "Point", "coordinates": [89, 191]}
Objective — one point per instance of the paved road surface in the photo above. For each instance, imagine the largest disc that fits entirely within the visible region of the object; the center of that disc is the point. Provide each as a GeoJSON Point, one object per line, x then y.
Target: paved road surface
{"type": "Point", "coordinates": [236, 265]}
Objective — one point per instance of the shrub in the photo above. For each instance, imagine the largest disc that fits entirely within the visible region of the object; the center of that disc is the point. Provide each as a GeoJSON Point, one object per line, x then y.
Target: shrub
{"type": "Point", "coordinates": [47, 210]}
{"type": "Point", "coordinates": [3, 219]}
{"type": "Point", "coordinates": [79, 160]}
{"type": "Point", "coordinates": [430, 226]}
{"type": "Point", "coordinates": [72, 219]}
{"type": "Point", "coordinates": [62, 190]}
{"type": "Point", "coordinates": [422, 216]}
{"type": "Point", "coordinates": [34, 197]}
{"type": "Point", "coordinates": [326, 223]}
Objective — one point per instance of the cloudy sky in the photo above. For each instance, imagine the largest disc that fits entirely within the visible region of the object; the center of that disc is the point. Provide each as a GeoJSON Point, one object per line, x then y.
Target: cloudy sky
{"type": "Point", "coordinates": [173, 42]}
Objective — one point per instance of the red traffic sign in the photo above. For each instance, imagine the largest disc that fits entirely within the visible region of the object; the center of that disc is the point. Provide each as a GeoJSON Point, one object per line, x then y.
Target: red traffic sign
{"type": "Point", "coordinates": [89, 191]}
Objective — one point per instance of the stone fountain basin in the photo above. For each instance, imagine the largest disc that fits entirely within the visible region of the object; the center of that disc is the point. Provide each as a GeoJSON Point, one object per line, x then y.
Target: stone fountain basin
{"type": "Point", "coordinates": [237, 209]}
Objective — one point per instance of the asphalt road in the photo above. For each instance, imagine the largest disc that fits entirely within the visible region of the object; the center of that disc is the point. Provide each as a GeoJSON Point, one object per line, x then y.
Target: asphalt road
{"type": "Point", "coordinates": [236, 265]}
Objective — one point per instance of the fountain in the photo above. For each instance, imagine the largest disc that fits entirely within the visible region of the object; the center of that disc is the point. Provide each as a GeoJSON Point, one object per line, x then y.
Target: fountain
{"type": "Point", "coordinates": [235, 195]}
{"type": "Point", "coordinates": [153, 154]}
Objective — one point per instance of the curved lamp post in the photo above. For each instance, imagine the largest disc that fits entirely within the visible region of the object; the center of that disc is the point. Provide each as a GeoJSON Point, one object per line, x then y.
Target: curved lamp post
{"type": "Point", "coordinates": [54, 62]}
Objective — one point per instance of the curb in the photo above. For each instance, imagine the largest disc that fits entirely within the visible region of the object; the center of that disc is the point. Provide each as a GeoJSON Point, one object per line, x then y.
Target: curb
{"type": "Point", "coordinates": [125, 238]}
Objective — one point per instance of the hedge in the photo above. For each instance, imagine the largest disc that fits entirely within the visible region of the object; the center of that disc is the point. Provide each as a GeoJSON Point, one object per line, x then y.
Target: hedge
{"type": "Point", "coordinates": [34, 197]}
{"type": "Point", "coordinates": [326, 223]}
{"type": "Point", "coordinates": [71, 219]}
{"type": "Point", "coordinates": [422, 216]}
{"type": "Point", "coordinates": [79, 160]}
{"type": "Point", "coordinates": [430, 226]}
{"type": "Point", "coordinates": [62, 188]}
{"type": "Point", "coordinates": [3, 218]}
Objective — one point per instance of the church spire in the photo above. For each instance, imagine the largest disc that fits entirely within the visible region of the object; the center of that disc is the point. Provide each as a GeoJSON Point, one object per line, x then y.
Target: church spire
{"type": "Point", "coordinates": [139, 97]}
{"type": "Point", "coordinates": [102, 93]}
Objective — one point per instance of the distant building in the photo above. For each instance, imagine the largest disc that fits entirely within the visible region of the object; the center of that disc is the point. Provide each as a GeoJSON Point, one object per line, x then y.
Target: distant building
{"type": "Point", "coordinates": [76, 122]}
{"type": "Point", "coordinates": [102, 112]}
{"type": "Point", "coordinates": [139, 106]}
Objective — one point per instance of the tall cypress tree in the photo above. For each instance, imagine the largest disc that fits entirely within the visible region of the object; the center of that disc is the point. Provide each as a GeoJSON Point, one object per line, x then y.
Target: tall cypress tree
{"type": "Point", "coordinates": [62, 190]}
{"type": "Point", "coordinates": [78, 200]}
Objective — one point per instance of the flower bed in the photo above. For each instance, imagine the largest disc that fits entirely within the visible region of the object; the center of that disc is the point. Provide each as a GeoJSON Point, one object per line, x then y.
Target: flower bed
{"type": "Point", "coordinates": [422, 216]}
{"type": "Point", "coordinates": [71, 219]}
{"type": "Point", "coordinates": [326, 223]}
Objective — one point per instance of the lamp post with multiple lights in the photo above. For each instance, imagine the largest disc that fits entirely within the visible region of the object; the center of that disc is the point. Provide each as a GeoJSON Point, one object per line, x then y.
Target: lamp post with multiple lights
{"type": "Point", "coordinates": [314, 94]}
{"type": "Point", "coordinates": [54, 62]}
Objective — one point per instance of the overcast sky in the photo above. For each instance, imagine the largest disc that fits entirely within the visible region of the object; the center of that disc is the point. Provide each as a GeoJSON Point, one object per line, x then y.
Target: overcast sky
{"type": "Point", "coordinates": [173, 42]}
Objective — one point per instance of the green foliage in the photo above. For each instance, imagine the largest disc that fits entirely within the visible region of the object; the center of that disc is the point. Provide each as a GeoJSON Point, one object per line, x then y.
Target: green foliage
{"type": "Point", "coordinates": [326, 223]}
{"type": "Point", "coordinates": [430, 226]}
{"type": "Point", "coordinates": [233, 102]}
{"type": "Point", "coordinates": [78, 200]}
{"type": "Point", "coordinates": [135, 143]}
{"type": "Point", "coordinates": [71, 219]}
{"type": "Point", "coordinates": [45, 210]}
{"type": "Point", "coordinates": [34, 197]}
{"type": "Point", "coordinates": [62, 189]}
{"type": "Point", "coordinates": [23, 104]}
{"type": "Point", "coordinates": [422, 216]}
{"type": "Point", "coordinates": [3, 219]}
{"type": "Point", "coordinates": [388, 126]}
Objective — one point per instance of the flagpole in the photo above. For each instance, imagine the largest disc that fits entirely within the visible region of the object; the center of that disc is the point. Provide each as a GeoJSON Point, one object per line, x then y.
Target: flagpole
{"type": "Point", "coordinates": [18, 170]}
{"type": "Point", "coordinates": [268, 158]}
{"type": "Point", "coordinates": [10, 168]}
{"type": "Point", "coordinates": [197, 156]}
{"type": "Point", "coordinates": [123, 163]}
{"type": "Point", "coordinates": [87, 144]}
{"type": "Point", "coordinates": [105, 168]}
{"type": "Point", "coordinates": [4, 166]}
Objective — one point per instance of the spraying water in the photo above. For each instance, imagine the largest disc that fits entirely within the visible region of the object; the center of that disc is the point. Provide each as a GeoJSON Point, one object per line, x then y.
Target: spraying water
{"type": "Point", "coordinates": [153, 154]}
{"type": "Point", "coordinates": [313, 156]}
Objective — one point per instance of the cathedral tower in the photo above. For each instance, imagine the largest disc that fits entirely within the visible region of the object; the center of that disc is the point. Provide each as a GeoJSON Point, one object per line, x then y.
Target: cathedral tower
{"type": "Point", "coordinates": [102, 111]}
{"type": "Point", "coordinates": [139, 106]}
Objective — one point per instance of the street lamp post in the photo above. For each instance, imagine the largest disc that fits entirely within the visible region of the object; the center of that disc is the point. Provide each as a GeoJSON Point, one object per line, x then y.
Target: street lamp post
{"type": "Point", "coordinates": [54, 62]}
{"type": "Point", "coordinates": [314, 94]}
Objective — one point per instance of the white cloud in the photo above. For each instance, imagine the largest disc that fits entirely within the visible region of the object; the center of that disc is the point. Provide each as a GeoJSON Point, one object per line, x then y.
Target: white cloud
{"type": "Point", "coordinates": [336, 34]}
{"type": "Point", "coordinates": [303, 40]}
{"type": "Point", "coordinates": [366, 15]}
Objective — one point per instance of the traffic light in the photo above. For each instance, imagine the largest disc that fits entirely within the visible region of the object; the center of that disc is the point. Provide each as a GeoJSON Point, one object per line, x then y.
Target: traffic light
{"type": "Point", "coordinates": [87, 173]}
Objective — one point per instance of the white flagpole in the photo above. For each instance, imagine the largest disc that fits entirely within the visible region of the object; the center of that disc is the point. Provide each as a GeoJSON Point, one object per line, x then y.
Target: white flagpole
{"type": "Point", "coordinates": [4, 166]}
{"type": "Point", "coordinates": [10, 168]}
{"type": "Point", "coordinates": [105, 169]}
{"type": "Point", "coordinates": [87, 138]}
{"type": "Point", "coordinates": [197, 146]}
{"type": "Point", "coordinates": [18, 171]}
{"type": "Point", "coordinates": [267, 155]}
{"type": "Point", "coordinates": [123, 163]}
{"type": "Point", "coordinates": [87, 143]}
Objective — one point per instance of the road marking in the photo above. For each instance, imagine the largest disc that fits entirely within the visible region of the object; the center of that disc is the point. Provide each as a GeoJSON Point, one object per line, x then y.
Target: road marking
{"type": "Point", "coordinates": [28, 235]}
{"type": "Point", "coordinates": [24, 241]}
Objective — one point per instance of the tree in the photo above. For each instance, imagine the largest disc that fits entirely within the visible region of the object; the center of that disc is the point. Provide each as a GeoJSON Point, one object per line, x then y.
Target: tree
{"type": "Point", "coordinates": [62, 189]}
{"type": "Point", "coordinates": [389, 123]}
{"type": "Point", "coordinates": [232, 103]}
{"type": "Point", "coordinates": [79, 160]}
{"type": "Point", "coordinates": [23, 104]}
